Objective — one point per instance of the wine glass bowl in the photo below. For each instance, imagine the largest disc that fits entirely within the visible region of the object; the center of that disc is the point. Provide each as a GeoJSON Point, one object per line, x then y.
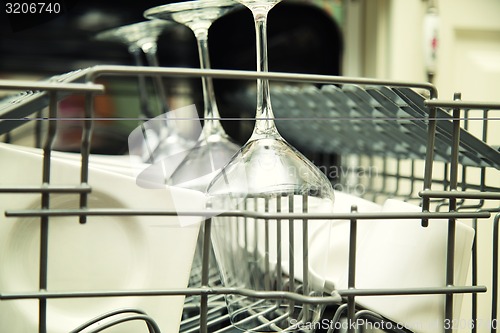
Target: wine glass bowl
{"type": "Point", "coordinates": [274, 166]}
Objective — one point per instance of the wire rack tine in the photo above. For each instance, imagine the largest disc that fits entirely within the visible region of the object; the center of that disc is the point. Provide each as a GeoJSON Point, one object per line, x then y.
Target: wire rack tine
{"type": "Point", "coordinates": [210, 308]}
{"type": "Point", "coordinates": [108, 315]}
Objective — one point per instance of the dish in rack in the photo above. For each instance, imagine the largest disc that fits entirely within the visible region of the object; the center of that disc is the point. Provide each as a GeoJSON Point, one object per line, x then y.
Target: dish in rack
{"type": "Point", "coordinates": [106, 253]}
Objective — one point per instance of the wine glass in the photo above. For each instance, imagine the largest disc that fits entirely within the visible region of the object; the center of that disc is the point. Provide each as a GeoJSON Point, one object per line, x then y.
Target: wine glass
{"type": "Point", "coordinates": [214, 147]}
{"type": "Point", "coordinates": [268, 175]}
{"type": "Point", "coordinates": [141, 39]}
{"type": "Point", "coordinates": [163, 139]}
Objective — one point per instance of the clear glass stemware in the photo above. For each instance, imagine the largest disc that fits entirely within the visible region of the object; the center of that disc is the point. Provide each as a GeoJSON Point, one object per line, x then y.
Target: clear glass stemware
{"type": "Point", "coordinates": [268, 175]}
{"type": "Point", "coordinates": [141, 39]}
{"type": "Point", "coordinates": [214, 147]}
{"type": "Point", "coordinates": [163, 139]}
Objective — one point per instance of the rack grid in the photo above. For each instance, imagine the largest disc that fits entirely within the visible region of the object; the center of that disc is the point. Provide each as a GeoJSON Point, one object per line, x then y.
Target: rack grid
{"type": "Point", "coordinates": [446, 144]}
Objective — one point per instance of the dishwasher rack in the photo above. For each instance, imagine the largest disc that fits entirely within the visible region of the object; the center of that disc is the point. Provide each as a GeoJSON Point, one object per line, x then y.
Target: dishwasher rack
{"type": "Point", "coordinates": [447, 148]}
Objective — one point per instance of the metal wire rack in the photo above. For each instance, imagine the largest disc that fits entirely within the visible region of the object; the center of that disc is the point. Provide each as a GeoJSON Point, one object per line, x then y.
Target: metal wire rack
{"type": "Point", "coordinates": [405, 131]}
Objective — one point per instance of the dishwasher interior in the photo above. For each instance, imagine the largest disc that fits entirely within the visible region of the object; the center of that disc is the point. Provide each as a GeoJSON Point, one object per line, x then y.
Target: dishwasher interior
{"type": "Point", "coordinates": [382, 141]}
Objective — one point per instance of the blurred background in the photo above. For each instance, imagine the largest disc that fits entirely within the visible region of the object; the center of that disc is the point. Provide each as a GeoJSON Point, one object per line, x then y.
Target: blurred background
{"type": "Point", "coordinates": [304, 37]}
{"type": "Point", "coordinates": [453, 43]}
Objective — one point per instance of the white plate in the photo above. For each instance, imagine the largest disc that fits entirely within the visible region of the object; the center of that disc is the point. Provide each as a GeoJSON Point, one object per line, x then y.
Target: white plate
{"type": "Point", "coordinates": [401, 254]}
{"type": "Point", "coordinates": [335, 232]}
{"type": "Point", "coordinates": [329, 251]}
{"type": "Point", "coordinates": [122, 164]}
{"type": "Point", "coordinates": [107, 253]}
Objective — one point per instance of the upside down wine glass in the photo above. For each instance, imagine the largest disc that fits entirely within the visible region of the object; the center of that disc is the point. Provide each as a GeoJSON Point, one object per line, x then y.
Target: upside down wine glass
{"type": "Point", "coordinates": [214, 147]}
{"type": "Point", "coordinates": [163, 138]}
{"type": "Point", "coordinates": [141, 38]}
{"type": "Point", "coordinates": [268, 175]}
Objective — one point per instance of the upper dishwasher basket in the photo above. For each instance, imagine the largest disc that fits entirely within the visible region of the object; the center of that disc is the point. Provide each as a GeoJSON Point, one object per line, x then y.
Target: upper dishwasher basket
{"type": "Point", "coordinates": [418, 148]}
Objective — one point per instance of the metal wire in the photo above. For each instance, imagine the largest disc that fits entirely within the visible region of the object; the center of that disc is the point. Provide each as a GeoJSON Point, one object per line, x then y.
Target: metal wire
{"type": "Point", "coordinates": [205, 308]}
{"type": "Point", "coordinates": [152, 326]}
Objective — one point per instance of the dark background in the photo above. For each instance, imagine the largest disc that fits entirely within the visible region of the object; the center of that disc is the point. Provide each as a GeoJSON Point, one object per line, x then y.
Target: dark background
{"type": "Point", "coordinates": [302, 38]}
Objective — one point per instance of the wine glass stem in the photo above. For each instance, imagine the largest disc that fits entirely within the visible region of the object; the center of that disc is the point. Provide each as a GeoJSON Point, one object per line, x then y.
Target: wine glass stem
{"type": "Point", "coordinates": [151, 55]}
{"type": "Point", "coordinates": [143, 94]}
{"type": "Point", "coordinates": [211, 114]}
{"type": "Point", "coordinates": [150, 50]}
{"type": "Point", "coordinates": [264, 119]}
